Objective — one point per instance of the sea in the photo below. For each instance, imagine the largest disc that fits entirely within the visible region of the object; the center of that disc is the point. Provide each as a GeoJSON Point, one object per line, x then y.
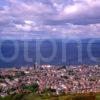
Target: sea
{"type": "Point", "coordinates": [17, 53]}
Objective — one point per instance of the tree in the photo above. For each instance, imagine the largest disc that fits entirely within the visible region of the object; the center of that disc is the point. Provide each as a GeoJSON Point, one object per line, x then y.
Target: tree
{"type": "Point", "coordinates": [34, 88]}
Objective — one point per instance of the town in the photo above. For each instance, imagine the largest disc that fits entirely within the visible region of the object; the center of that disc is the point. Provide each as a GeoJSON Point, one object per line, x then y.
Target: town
{"type": "Point", "coordinates": [60, 79]}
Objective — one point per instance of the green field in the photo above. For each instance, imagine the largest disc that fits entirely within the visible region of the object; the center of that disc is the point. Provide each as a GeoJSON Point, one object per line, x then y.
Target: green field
{"type": "Point", "coordinates": [48, 97]}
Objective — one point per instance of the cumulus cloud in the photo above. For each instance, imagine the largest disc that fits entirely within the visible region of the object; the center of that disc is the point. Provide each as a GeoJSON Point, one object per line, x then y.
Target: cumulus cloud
{"type": "Point", "coordinates": [49, 18]}
{"type": "Point", "coordinates": [87, 10]}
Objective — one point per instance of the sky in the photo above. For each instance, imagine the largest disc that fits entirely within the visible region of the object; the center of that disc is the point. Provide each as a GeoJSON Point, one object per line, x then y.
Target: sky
{"type": "Point", "coordinates": [43, 19]}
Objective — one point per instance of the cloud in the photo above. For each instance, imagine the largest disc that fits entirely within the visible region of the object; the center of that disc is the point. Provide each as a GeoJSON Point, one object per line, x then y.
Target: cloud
{"type": "Point", "coordinates": [81, 10]}
{"type": "Point", "coordinates": [49, 18]}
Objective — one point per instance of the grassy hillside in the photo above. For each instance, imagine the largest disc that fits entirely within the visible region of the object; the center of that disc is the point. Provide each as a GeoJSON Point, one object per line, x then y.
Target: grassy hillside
{"type": "Point", "coordinates": [98, 97]}
{"type": "Point", "coordinates": [48, 97]}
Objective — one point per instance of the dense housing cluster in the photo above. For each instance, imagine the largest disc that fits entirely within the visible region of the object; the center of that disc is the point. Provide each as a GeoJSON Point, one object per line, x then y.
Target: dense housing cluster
{"type": "Point", "coordinates": [67, 79]}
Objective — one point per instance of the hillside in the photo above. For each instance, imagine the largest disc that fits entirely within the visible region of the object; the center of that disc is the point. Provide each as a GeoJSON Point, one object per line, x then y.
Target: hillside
{"type": "Point", "coordinates": [48, 97]}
